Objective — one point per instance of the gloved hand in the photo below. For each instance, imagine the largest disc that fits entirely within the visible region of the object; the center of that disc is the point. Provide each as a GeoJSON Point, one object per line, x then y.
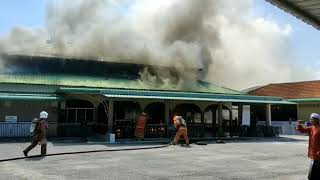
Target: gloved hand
{"type": "Point", "coordinates": [300, 122]}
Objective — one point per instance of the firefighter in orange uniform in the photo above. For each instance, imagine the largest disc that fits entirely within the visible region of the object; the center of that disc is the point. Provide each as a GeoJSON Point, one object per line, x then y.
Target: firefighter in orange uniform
{"type": "Point", "coordinates": [139, 126]}
{"type": "Point", "coordinates": [181, 125]}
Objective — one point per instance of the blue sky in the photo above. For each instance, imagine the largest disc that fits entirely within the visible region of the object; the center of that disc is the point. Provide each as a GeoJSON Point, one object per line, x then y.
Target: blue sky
{"type": "Point", "coordinates": [26, 13]}
{"type": "Point", "coordinates": [304, 39]}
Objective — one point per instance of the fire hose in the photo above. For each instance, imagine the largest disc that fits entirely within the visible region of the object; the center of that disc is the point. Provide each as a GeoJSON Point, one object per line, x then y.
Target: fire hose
{"type": "Point", "coordinates": [84, 152]}
{"type": "Point", "coordinates": [95, 151]}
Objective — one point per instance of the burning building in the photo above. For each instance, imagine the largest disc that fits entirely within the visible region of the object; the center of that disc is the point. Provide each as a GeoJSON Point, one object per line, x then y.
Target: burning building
{"type": "Point", "coordinates": [97, 66]}
{"type": "Point", "coordinates": [106, 97]}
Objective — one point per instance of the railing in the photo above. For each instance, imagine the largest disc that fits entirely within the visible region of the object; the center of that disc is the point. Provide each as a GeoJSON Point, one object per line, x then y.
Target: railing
{"type": "Point", "coordinates": [233, 130]}
{"type": "Point", "coordinates": [260, 131]}
{"type": "Point", "coordinates": [151, 131]}
{"type": "Point", "coordinates": [125, 130]}
{"type": "Point", "coordinates": [196, 130]}
{"type": "Point", "coordinates": [100, 128]}
{"type": "Point", "coordinates": [155, 131]}
{"type": "Point", "coordinates": [158, 131]}
{"type": "Point", "coordinates": [75, 130]}
{"type": "Point", "coordinates": [69, 129]}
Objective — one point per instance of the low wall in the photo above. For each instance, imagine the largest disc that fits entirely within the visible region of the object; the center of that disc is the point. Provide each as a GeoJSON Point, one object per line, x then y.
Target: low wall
{"type": "Point", "coordinates": [286, 128]}
{"type": "Point", "coordinates": [22, 129]}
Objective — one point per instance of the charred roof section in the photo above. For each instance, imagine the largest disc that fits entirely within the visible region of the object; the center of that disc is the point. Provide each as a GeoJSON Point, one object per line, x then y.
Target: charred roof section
{"type": "Point", "coordinates": [17, 64]}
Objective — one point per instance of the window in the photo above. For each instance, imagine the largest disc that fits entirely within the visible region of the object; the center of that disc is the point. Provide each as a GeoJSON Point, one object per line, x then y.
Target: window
{"type": "Point", "coordinates": [77, 111]}
{"type": "Point", "coordinates": [197, 118]}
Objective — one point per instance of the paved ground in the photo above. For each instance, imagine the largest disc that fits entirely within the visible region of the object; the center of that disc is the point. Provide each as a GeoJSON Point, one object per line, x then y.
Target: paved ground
{"type": "Point", "coordinates": [242, 160]}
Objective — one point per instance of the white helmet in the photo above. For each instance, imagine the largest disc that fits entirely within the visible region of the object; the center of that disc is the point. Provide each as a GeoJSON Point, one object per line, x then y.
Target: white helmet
{"type": "Point", "coordinates": [43, 115]}
{"type": "Point", "coordinates": [314, 116]}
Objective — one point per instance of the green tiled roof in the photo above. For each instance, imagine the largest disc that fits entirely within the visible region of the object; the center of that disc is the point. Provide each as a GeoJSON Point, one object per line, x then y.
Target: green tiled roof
{"type": "Point", "coordinates": [171, 95]}
{"type": "Point", "coordinates": [126, 88]}
{"type": "Point", "coordinates": [28, 97]}
{"type": "Point", "coordinates": [301, 100]}
{"type": "Point", "coordinates": [100, 82]}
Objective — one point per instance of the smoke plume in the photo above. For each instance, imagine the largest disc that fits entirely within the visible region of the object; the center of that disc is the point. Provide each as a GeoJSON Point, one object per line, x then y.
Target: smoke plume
{"type": "Point", "coordinates": [213, 40]}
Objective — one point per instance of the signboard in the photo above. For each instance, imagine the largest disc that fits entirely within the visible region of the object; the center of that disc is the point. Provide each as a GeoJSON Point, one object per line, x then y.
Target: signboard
{"type": "Point", "coordinates": [246, 115]}
{"type": "Point", "coordinates": [11, 119]}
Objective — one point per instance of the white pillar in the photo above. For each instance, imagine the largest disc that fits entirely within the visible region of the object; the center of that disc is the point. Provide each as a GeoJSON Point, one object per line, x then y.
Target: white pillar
{"type": "Point", "coordinates": [110, 116]}
{"type": "Point", "coordinates": [268, 115]}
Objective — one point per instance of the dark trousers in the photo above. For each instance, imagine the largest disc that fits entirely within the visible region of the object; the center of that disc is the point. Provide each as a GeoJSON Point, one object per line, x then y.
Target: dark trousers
{"type": "Point", "coordinates": [34, 144]}
{"type": "Point", "coordinates": [314, 171]}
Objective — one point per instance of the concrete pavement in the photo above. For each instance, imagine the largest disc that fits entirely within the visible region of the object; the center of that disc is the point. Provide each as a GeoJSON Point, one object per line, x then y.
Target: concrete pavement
{"type": "Point", "coordinates": [241, 160]}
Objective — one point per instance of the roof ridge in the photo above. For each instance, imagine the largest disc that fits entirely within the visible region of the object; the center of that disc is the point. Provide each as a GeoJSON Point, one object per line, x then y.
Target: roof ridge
{"type": "Point", "coordinates": [84, 81]}
{"type": "Point", "coordinates": [294, 82]}
{"type": "Point", "coordinates": [221, 86]}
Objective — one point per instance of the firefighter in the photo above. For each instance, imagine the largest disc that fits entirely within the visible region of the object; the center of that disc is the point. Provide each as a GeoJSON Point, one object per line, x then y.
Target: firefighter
{"type": "Point", "coordinates": [314, 144]}
{"type": "Point", "coordinates": [39, 135]}
{"type": "Point", "coordinates": [139, 126]}
{"type": "Point", "coordinates": [181, 125]}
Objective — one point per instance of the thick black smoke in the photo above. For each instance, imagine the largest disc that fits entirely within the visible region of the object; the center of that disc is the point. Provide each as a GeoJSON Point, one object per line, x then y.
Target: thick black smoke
{"type": "Point", "coordinates": [213, 40]}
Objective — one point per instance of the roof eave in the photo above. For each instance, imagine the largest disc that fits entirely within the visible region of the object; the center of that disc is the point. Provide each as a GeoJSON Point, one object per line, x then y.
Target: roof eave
{"type": "Point", "coordinates": [297, 12]}
{"type": "Point", "coordinates": [28, 97]}
{"type": "Point", "coordinates": [172, 95]}
{"type": "Point", "coordinates": [304, 100]}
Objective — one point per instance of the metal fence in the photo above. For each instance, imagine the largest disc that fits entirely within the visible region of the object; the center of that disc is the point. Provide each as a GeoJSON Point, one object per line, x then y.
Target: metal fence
{"type": "Point", "coordinates": [20, 129]}
{"type": "Point", "coordinates": [196, 130]}
{"type": "Point", "coordinates": [156, 131]}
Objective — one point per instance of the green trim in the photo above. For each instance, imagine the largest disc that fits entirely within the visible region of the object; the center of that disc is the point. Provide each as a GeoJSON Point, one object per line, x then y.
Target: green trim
{"type": "Point", "coordinates": [301, 100]}
{"type": "Point", "coordinates": [174, 95]}
{"type": "Point", "coordinates": [28, 97]}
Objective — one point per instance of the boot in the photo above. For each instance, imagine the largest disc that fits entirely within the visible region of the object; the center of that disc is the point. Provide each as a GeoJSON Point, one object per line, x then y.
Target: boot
{"type": "Point", "coordinates": [25, 153]}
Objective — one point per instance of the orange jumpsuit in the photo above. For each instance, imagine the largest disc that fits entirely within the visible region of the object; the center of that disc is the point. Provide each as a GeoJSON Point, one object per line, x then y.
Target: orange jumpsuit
{"type": "Point", "coordinates": [313, 149]}
{"type": "Point", "coordinates": [140, 124]}
{"type": "Point", "coordinates": [182, 131]}
{"type": "Point", "coordinates": [314, 140]}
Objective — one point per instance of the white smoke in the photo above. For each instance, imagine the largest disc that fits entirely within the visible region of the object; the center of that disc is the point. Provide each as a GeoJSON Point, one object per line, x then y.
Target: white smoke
{"type": "Point", "coordinates": [220, 37]}
{"type": "Point", "coordinates": [253, 51]}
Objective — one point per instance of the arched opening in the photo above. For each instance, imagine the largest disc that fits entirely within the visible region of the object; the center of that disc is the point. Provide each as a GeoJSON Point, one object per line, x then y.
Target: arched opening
{"type": "Point", "coordinates": [125, 113]}
{"type": "Point", "coordinates": [76, 116]}
{"type": "Point", "coordinates": [155, 113]}
{"type": "Point", "coordinates": [211, 119]}
{"type": "Point", "coordinates": [102, 114]}
{"type": "Point", "coordinates": [193, 115]}
{"type": "Point", "coordinates": [101, 125]}
{"type": "Point", "coordinates": [190, 112]}
{"type": "Point", "coordinates": [156, 125]}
